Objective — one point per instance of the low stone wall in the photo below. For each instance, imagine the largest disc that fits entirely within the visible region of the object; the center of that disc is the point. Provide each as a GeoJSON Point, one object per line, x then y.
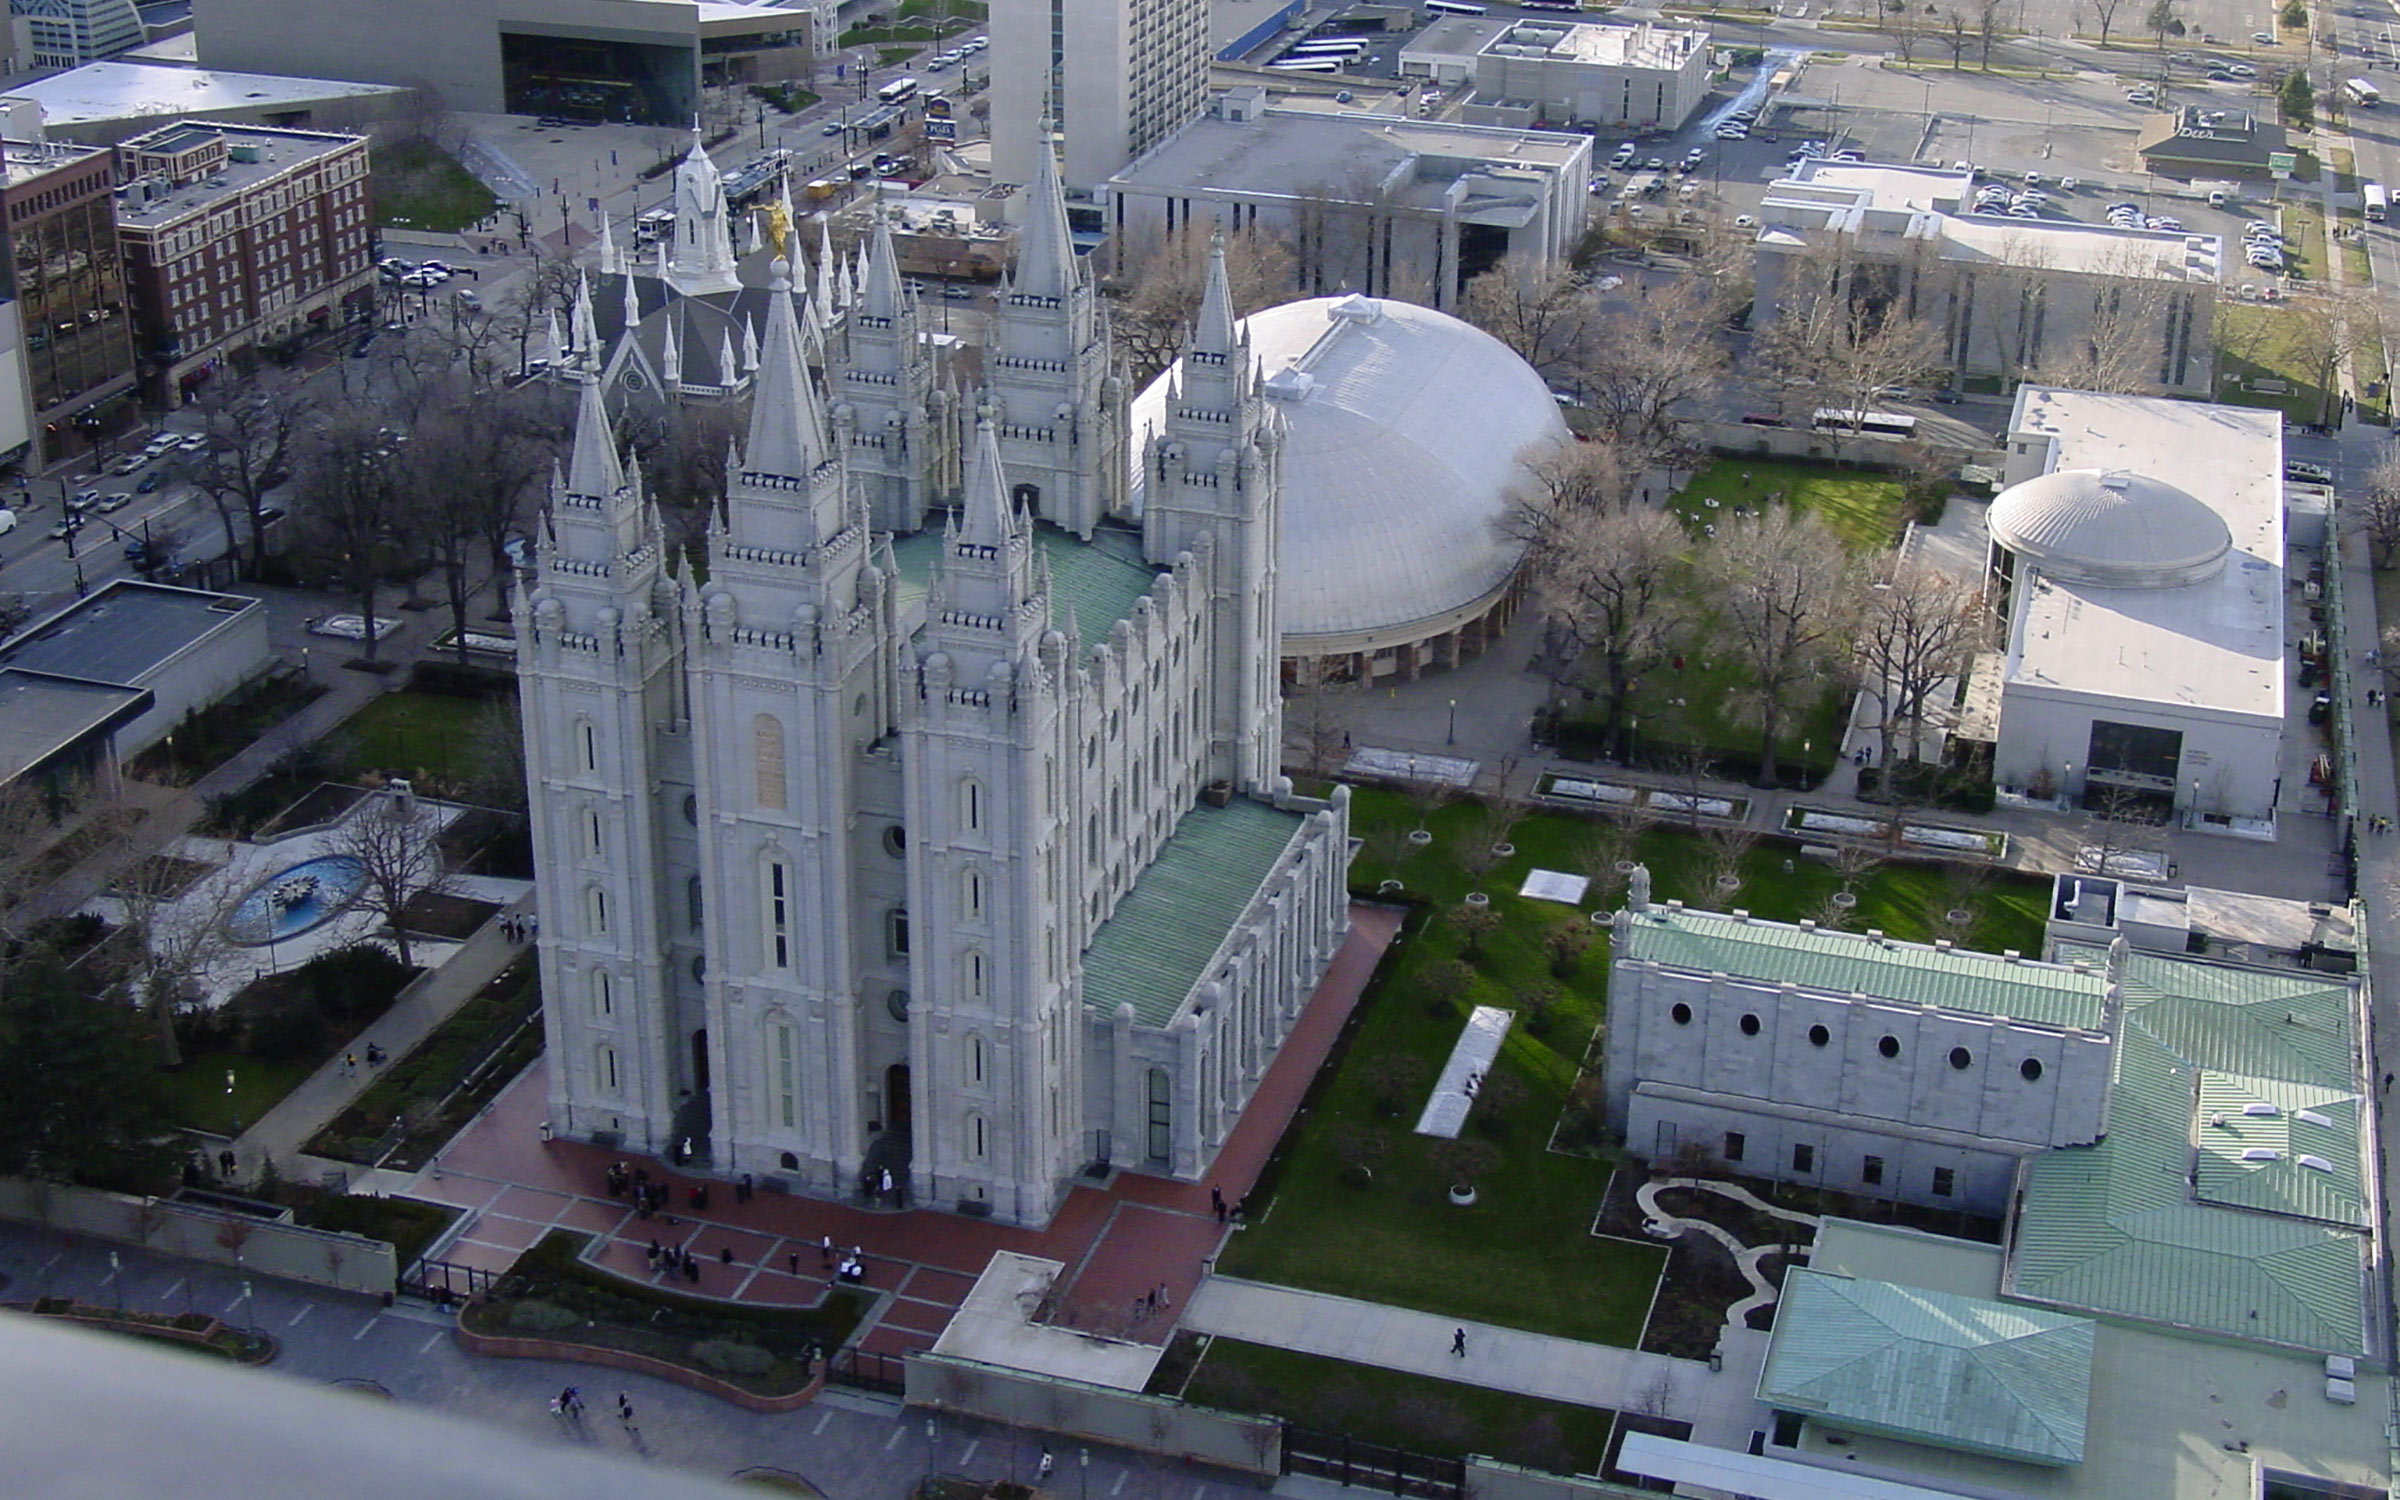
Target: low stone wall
{"type": "Point", "coordinates": [517, 1346]}
{"type": "Point", "coordinates": [213, 1236]}
{"type": "Point", "coordinates": [1117, 1418]}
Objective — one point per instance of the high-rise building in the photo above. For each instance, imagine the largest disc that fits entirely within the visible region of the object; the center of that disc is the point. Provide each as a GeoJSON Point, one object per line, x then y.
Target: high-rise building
{"type": "Point", "coordinates": [65, 327]}
{"type": "Point", "coordinates": [1107, 79]}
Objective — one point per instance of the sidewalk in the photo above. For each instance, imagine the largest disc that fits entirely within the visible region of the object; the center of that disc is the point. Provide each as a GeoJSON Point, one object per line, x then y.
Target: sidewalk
{"type": "Point", "coordinates": [1500, 1359]}
{"type": "Point", "coordinates": [423, 1006]}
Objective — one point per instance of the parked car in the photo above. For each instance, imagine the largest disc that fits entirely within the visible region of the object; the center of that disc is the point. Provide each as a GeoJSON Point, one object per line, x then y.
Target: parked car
{"type": "Point", "coordinates": [2311, 473]}
{"type": "Point", "coordinates": [113, 501]}
{"type": "Point", "coordinates": [8, 522]}
{"type": "Point", "coordinates": [150, 483]}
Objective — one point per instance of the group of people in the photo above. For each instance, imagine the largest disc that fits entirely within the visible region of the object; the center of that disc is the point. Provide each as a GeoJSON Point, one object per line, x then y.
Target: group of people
{"type": "Point", "coordinates": [569, 1404]}
{"type": "Point", "coordinates": [675, 1260]}
{"type": "Point", "coordinates": [520, 929]}
{"type": "Point", "coordinates": [880, 1187]}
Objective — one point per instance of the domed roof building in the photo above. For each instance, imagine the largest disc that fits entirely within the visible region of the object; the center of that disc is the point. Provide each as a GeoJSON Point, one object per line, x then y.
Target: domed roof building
{"type": "Point", "coordinates": [1404, 435]}
{"type": "Point", "coordinates": [2114, 529]}
{"type": "Point", "coordinates": [2137, 557]}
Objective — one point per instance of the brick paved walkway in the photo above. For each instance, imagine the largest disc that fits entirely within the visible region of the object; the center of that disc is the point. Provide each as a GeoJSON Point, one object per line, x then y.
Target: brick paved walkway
{"type": "Point", "coordinates": [1117, 1241]}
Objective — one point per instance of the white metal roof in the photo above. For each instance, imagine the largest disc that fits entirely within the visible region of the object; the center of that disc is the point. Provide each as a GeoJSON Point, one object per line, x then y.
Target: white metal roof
{"type": "Point", "coordinates": [1405, 431]}
{"type": "Point", "coordinates": [2120, 529]}
{"type": "Point", "coordinates": [2216, 644]}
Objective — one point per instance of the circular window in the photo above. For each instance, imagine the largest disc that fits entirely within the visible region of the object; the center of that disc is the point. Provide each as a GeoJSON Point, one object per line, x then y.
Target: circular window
{"type": "Point", "coordinates": [897, 1003]}
{"type": "Point", "coordinates": [1961, 1059]}
{"type": "Point", "coordinates": [1818, 1036]}
{"type": "Point", "coordinates": [691, 808]}
{"type": "Point", "coordinates": [1749, 1025]}
{"type": "Point", "coordinates": [1681, 1014]}
{"type": "Point", "coordinates": [1889, 1046]}
{"type": "Point", "coordinates": [2030, 1070]}
{"type": "Point", "coordinates": [791, 1161]}
{"type": "Point", "coordinates": [895, 841]}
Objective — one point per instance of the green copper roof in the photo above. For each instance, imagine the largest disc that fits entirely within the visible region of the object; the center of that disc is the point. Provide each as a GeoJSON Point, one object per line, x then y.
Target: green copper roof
{"type": "Point", "coordinates": [2302, 1158]}
{"type": "Point", "coordinates": [1931, 1367]}
{"type": "Point", "coordinates": [1853, 963]}
{"type": "Point", "coordinates": [1097, 582]}
{"type": "Point", "coordinates": [2155, 1223]}
{"type": "Point", "coordinates": [1166, 932]}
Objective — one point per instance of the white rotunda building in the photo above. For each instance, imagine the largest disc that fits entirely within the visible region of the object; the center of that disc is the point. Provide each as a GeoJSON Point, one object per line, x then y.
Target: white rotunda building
{"type": "Point", "coordinates": [1406, 435]}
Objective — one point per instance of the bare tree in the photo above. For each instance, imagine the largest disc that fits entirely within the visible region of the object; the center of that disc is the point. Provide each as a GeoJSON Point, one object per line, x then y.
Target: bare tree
{"type": "Point", "coordinates": [1649, 357]}
{"type": "Point", "coordinates": [1904, 21]}
{"type": "Point", "coordinates": [2375, 509]}
{"type": "Point", "coordinates": [1605, 572]}
{"type": "Point", "coordinates": [393, 841]}
{"type": "Point", "coordinates": [471, 462]}
{"type": "Point", "coordinates": [1955, 34]}
{"type": "Point", "coordinates": [2105, 12]}
{"type": "Point", "coordinates": [1920, 626]}
{"type": "Point", "coordinates": [1155, 307]}
{"type": "Point", "coordinates": [1547, 321]}
{"type": "Point", "coordinates": [1987, 26]}
{"type": "Point", "coordinates": [1846, 325]}
{"type": "Point", "coordinates": [351, 503]}
{"type": "Point", "coordinates": [1316, 718]}
{"type": "Point", "coordinates": [173, 931]}
{"type": "Point", "coordinates": [252, 431]}
{"type": "Point", "coordinates": [1784, 594]}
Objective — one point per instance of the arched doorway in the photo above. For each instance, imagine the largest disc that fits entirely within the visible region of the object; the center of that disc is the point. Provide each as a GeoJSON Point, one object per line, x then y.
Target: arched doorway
{"type": "Point", "coordinates": [895, 1097]}
{"type": "Point", "coordinates": [700, 1061]}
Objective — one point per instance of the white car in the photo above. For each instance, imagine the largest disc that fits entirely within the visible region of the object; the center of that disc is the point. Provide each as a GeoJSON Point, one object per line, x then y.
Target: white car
{"type": "Point", "coordinates": [8, 522]}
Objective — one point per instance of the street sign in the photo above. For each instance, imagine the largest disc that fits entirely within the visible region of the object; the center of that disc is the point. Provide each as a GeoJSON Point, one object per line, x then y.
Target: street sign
{"type": "Point", "coordinates": [941, 130]}
{"type": "Point", "coordinates": [2281, 165]}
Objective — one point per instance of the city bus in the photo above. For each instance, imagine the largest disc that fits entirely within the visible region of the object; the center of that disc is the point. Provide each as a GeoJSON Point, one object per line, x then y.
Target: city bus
{"type": "Point", "coordinates": [897, 90]}
{"type": "Point", "coordinates": [1454, 8]}
{"type": "Point", "coordinates": [656, 225]}
{"type": "Point", "coordinates": [1889, 424]}
{"type": "Point", "coordinates": [2362, 93]}
{"type": "Point", "coordinates": [2378, 202]}
{"type": "Point", "coordinates": [1306, 65]}
{"type": "Point", "coordinates": [1338, 51]}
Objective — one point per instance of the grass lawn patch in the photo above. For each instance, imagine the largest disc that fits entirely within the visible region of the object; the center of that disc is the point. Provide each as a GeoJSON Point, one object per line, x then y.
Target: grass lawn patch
{"type": "Point", "coordinates": [1523, 1256]}
{"type": "Point", "coordinates": [2272, 347]}
{"type": "Point", "coordinates": [1864, 509]}
{"type": "Point", "coordinates": [2304, 241]}
{"type": "Point", "coordinates": [1370, 1404]}
{"type": "Point", "coordinates": [431, 736]}
{"type": "Point", "coordinates": [405, 1224]}
{"type": "Point", "coordinates": [198, 1099]}
{"type": "Point", "coordinates": [939, 11]}
{"type": "Point", "coordinates": [418, 185]}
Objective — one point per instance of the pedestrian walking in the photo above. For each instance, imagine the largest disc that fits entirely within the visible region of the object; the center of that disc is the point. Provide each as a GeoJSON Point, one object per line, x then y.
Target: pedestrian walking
{"type": "Point", "coordinates": [794, 1258]}
{"type": "Point", "coordinates": [887, 1182]}
{"type": "Point", "coordinates": [625, 1411]}
{"type": "Point", "coordinates": [1042, 1471]}
{"type": "Point", "coordinates": [825, 1248]}
{"type": "Point", "coordinates": [1458, 1342]}
{"type": "Point", "coordinates": [725, 1255]}
{"type": "Point", "coordinates": [1216, 1201]}
{"type": "Point", "coordinates": [226, 1163]}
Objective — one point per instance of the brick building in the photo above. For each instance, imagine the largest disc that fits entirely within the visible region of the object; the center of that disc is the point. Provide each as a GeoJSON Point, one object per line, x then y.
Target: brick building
{"type": "Point", "coordinates": [238, 237]}
{"type": "Point", "coordinates": [66, 342]}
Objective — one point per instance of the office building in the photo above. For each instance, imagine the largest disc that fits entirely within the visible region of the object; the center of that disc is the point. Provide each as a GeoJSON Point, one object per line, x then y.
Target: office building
{"type": "Point", "coordinates": [1100, 81]}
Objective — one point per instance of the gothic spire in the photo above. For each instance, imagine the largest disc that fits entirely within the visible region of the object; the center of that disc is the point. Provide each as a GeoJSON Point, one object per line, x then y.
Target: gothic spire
{"type": "Point", "coordinates": [594, 470]}
{"type": "Point", "coordinates": [824, 289]}
{"type": "Point", "coordinates": [882, 289]}
{"type": "Point", "coordinates": [633, 302]}
{"type": "Point", "coordinates": [1215, 334]}
{"type": "Point", "coordinates": [989, 521]}
{"type": "Point", "coordinates": [608, 249]}
{"type": "Point", "coordinates": [749, 346]}
{"type": "Point", "coordinates": [583, 332]}
{"type": "Point", "coordinates": [671, 354]}
{"type": "Point", "coordinates": [1045, 253]}
{"type": "Point", "coordinates": [787, 430]}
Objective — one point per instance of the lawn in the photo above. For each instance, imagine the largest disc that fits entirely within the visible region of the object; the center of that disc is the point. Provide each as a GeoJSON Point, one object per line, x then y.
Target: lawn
{"type": "Point", "coordinates": [198, 1100]}
{"type": "Point", "coordinates": [1864, 508]}
{"type": "Point", "coordinates": [1522, 1256]}
{"type": "Point", "coordinates": [2304, 241]}
{"type": "Point", "coordinates": [418, 185]}
{"type": "Point", "coordinates": [1416, 1412]}
{"type": "Point", "coordinates": [432, 736]}
{"type": "Point", "coordinates": [2275, 347]}
{"type": "Point", "coordinates": [427, 1089]}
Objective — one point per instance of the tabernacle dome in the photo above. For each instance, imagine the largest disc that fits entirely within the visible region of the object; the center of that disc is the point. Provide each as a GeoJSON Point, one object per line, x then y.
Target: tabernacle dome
{"type": "Point", "coordinates": [1405, 435]}
{"type": "Point", "coordinates": [2110, 528]}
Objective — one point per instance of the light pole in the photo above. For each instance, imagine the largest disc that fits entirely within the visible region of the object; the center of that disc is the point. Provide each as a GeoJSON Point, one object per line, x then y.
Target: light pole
{"type": "Point", "coordinates": [1450, 736]}
{"type": "Point", "coordinates": [1083, 1470]}
{"type": "Point", "coordinates": [116, 1279]}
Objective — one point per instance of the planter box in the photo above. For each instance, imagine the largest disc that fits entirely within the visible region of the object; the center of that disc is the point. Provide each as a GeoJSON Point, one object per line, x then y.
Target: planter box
{"type": "Point", "coordinates": [518, 1346]}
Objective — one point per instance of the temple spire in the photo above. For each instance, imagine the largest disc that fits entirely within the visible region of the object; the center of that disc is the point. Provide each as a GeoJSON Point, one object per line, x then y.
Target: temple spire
{"type": "Point", "coordinates": [787, 430]}
{"type": "Point", "coordinates": [989, 520]}
{"type": "Point", "coordinates": [1215, 335]}
{"type": "Point", "coordinates": [594, 470]}
{"type": "Point", "coordinates": [880, 296]}
{"type": "Point", "coordinates": [1045, 251]}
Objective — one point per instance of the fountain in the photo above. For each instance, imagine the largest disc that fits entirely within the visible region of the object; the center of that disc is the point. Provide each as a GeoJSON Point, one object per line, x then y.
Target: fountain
{"type": "Point", "coordinates": [296, 899]}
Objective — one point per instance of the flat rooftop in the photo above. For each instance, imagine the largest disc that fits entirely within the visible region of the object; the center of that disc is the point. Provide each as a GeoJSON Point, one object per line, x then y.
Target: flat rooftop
{"type": "Point", "coordinates": [2216, 644]}
{"type": "Point", "coordinates": [104, 91]}
{"type": "Point", "coordinates": [2088, 249]}
{"type": "Point", "coordinates": [1296, 154]}
{"type": "Point", "coordinates": [1641, 46]}
{"type": "Point", "coordinates": [26, 160]}
{"type": "Point", "coordinates": [123, 633]}
{"type": "Point", "coordinates": [279, 151]}
{"type": "Point", "coordinates": [1883, 185]}
{"type": "Point", "coordinates": [40, 716]}
{"type": "Point", "coordinates": [2170, 1415]}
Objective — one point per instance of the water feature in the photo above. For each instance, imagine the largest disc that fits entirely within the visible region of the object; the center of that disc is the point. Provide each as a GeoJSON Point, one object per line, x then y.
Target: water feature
{"type": "Point", "coordinates": [296, 899]}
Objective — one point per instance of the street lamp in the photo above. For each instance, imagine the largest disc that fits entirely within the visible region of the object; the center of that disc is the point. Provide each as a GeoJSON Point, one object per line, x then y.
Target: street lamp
{"type": "Point", "coordinates": [116, 1282]}
{"type": "Point", "coordinates": [1083, 1469]}
{"type": "Point", "coordinates": [1450, 736]}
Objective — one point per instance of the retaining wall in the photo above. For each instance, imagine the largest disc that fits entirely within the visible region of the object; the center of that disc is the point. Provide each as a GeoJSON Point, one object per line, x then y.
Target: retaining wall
{"type": "Point", "coordinates": [211, 1236]}
{"type": "Point", "coordinates": [1100, 1414]}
